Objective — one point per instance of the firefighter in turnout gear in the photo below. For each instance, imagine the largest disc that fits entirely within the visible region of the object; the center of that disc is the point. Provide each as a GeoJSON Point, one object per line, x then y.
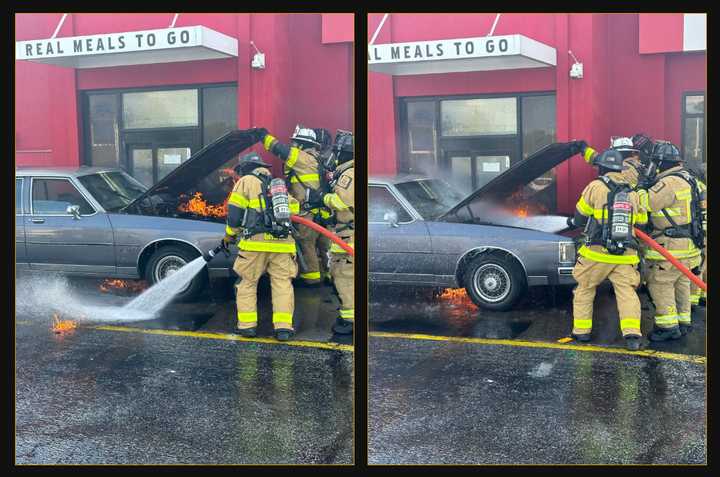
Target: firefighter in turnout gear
{"type": "Point", "coordinates": [676, 203]}
{"type": "Point", "coordinates": [302, 168]}
{"type": "Point", "coordinates": [608, 209]}
{"type": "Point", "coordinates": [697, 294]}
{"type": "Point", "coordinates": [323, 243]}
{"type": "Point", "coordinates": [265, 246]}
{"type": "Point", "coordinates": [341, 200]}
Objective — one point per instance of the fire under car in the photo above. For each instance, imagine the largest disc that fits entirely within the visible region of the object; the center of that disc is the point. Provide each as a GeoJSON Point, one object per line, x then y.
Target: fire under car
{"type": "Point", "coordinates": [495, 243]}
{"type": "Point", "coordinates": [102, 222]}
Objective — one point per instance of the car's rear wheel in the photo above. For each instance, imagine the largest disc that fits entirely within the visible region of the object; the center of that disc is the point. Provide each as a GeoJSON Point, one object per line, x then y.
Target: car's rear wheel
{"type": "Point", "coordinates": [168, 260]}
{"type": "Point", "coordinates": [494, 282]}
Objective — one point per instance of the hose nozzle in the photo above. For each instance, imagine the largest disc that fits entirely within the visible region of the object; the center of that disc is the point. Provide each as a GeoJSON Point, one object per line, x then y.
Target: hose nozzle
{"type": "Point", "coordinates": [210, 254]}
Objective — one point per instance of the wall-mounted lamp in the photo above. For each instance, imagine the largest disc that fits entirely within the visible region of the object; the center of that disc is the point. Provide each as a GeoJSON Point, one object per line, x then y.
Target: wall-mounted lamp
{"type": "Point", "coordinates": [258, 61]}
{"type": "Point", "coordinates": [576, 70]}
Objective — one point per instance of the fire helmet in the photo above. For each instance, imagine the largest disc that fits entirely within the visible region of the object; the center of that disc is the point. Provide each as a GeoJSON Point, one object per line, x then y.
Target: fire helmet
{"type": "Point", "coordinates": [610, 159]}
{"type": "Point", "coordinates": [665, 151]}
{"type": "Point", "coordinates": [344, 146]}
{"type": "Point", "coordinates": [643, 143]}
{"type": "Point", "coordinates": [248, 162]}
{"type": "Point", "coordinates": [323, 137]}
{"type": "Point", "coordinates": [305, 136]}
{"type": "Point", "coordinates": [624, 145]}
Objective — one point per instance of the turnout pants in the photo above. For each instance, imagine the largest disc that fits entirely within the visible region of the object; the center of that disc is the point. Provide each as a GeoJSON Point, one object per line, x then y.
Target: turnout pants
{"type": "Point", "coordinates": [282, 268]}
{"type": "Point", "coordinates": [342, 268]}
{"type": "Point", "coordinates": [670, 291]}
{"type": "Point", "coordinates": [696, 293]}
{"type": "Point", "coordinates": [308, 239]}
{"type": "Point", "coordinates": [624, 278]}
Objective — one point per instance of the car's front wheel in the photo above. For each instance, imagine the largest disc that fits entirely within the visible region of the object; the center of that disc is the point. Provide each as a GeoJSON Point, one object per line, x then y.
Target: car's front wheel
{"type": "Point", "coordinates": [494, 282]}
{"type": "Point", "coordinates": [168, 260]}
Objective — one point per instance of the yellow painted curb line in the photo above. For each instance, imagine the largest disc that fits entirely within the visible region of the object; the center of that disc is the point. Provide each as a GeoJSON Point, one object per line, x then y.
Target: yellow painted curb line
{"type": "Point", "coordinates": [538, 344]}
{"type": "Point", "coordinates": [229, 337]}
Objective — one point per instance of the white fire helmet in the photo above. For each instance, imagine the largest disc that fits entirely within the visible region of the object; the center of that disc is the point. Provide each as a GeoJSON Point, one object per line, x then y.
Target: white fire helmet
{"type": "Point", "coordinates": [305, 135]}
{"type": "Point", "coordinates": [621, 143]}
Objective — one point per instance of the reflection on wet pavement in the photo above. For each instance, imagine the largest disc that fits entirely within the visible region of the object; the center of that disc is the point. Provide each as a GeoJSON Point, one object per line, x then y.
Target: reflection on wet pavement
{"type": "Point", "coordinates": [449, 403]}
{"type": "Point", "coordinates": [91, 395]}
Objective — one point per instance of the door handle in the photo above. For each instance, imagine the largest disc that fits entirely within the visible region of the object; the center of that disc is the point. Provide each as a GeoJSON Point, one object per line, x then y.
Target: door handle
{"type": "Point", "coordinates": [37, 220]}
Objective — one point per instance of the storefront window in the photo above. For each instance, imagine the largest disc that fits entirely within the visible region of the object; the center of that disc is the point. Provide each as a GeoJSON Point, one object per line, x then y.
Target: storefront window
{"type": "Point", "coordinates": [104, 130]}
{"type": "Point", "coordinates": [694, 130]}
{"type": "Point", "coordinates": [421, 136]}
{"type": "Point", "coordinates": [538, 130]}
{"type": "Point", "coordinates": [219, 112]}
{"type": "Point", "coordinates": [153, 132]}
{"type": "Point", "coordinates": [479, 117]}
{"type": "Point", "coordinates": [160, 109]}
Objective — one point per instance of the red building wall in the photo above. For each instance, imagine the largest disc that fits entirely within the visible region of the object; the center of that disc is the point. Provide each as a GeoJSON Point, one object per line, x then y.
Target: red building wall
{"type": "Point", "coordinates": [305, 80]}
{"type": "Point", "coordinates": [623, 92]}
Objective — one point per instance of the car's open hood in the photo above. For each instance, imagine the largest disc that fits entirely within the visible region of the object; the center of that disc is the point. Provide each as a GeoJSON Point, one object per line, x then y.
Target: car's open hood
{"type": "Point", "coordinates": [517, 176]}
{"type": "Point", "coordinates": [200, 165]}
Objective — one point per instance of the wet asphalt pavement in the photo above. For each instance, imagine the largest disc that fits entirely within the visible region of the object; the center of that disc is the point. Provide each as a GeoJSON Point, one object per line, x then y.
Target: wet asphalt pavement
{"type": "Point", "coordinates": [131, 397]}
{"type": "Point", "coordinates": [450, 401]}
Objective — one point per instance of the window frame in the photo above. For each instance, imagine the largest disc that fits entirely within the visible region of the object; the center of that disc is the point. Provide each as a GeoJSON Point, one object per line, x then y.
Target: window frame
{"type": "Point", "coordinates": [685, 115]}
{"type": "Point", "coordinates": [72, 182]}
{"type": "Point", "coordinates": [84, 119]}
{"type": "Point", "coordinates": [21, 188]}
{"type": "Point", "coordinates": [405, 156]}
{"type": "Point", "coordinates": [411, 213]}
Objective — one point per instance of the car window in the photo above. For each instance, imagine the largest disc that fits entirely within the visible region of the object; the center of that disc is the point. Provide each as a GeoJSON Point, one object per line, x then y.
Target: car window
{"type": "Point", "coordinates": [114, 190]}
{"type": "Point", "coordinates": [381, 201]}
{"type": "Point", "coordinates": [431, 198]}
{"type": "Point", "coordinates": [53, 196]}
{"type": "Point", "coordinates": [18, 196]}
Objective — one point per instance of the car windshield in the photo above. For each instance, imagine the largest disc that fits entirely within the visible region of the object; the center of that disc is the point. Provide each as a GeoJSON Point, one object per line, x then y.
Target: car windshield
{"type": "Point", "coordinates": [114, 190]}
{"type": "Point", "coordinates": [430, 197]}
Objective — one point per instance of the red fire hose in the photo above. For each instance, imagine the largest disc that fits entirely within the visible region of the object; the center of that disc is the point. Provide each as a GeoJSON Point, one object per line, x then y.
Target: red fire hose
{"type": "Point", "coordinates": [662, 251]}
{"type": "Point", "coordinates": [325, 232]}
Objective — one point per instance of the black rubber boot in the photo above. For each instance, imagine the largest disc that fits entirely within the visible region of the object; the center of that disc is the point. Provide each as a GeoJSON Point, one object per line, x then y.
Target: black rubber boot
{"type": "Point", "coordinates": [584, 338]}
{"type": "Point", "coordinates": [343, 327]}
{"type": "Point", "coordinates": [284, 335]}
{"type": "Point", "coordinates": [685, 329]}
{"type": "Point", "coordinates": [247, 333]}
{"type": "Point", "coordinates": [632, 343]}
{"type": "Point", "coordinates": [664, 334]}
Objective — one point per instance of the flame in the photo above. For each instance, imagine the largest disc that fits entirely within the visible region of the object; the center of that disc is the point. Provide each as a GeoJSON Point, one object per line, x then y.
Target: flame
{"type": "Point", "coordinates": [457, 296]}
{"type": "Point", "coordinates": [116, 284]}
{"type": "Point", "coordinates": [198, 206]}
{"type": "Point", "coordinates": [61, 326]}
{"type": "Point", "coordinates": [522, 213]}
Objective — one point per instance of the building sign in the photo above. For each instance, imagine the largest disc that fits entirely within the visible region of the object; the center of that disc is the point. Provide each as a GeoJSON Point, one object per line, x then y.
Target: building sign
{"type": "Point", "coordinates": [461, 54]}
{"type": "Point", "coordinates": [137, 47]}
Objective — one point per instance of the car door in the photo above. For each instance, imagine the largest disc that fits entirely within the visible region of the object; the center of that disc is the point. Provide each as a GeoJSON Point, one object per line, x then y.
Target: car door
{"type": "Point", "coordinates": [56, 240]}
{"type": "Point", "coordinates": [400, 253]}
{"type": "Point", "coordinates": [20, 253]}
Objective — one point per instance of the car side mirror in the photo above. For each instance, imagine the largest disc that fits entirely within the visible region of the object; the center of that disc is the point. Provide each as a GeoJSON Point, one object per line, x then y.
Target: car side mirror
{"type": "Point", "coordinates": [73, 210]}
{"type": "Point", "coordinates": [391, 218]}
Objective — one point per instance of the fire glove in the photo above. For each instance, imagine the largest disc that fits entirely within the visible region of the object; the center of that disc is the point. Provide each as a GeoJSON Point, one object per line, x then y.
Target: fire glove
{"type": "Point", "coordinates": [259, 134]}
{"type": "Point", "coordinates": [227, 240]}
{"type": "Point", "coordinates": [578, 147]}
{"type": "Point", "coordinates": [696, 271]}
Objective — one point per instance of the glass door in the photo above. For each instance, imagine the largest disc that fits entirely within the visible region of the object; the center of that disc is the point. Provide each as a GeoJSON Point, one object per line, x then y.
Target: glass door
{"type": "Point", "coordinates": [470, 170]}
{"type": "Point", "coordinates": [152, 155]}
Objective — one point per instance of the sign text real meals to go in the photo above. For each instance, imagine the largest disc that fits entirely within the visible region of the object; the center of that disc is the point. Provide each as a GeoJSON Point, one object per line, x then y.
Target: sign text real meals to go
{"type": "Point", "coordinates": [443, 49]}
{"type": "Point", "coordinates": [108, 43]}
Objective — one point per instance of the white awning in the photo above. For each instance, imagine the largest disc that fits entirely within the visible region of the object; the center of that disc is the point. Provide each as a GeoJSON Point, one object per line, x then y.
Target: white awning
{"type": "Point", "coordinates": [462, 54]}
{"type": "Point", "coordinates": [165, 45]}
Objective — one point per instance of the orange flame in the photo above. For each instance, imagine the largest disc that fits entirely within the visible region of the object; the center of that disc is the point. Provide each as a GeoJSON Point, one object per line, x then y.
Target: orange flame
{"type": "Point", "coordinates": [116, 284]}
{"type": "Point", "coordinates": [457, 296]}
{"type": "Point", "coordinates": [198, 206]}
{"type": "Point", "coordinates": [61, 326]}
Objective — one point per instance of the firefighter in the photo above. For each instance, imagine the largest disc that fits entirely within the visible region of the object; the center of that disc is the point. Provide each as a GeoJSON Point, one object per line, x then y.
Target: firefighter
{"type": "Point", "coordinates": [302, 166]}
{"type": "Point", "coordinates": [341, 200]}
{"type": "Point", "coordinates": [609, 250]}
{"type": "Point", "coordinates": [259, 250]}
{"type": "Point", "coordinates": [697, 294]}
{"type": "Point", "coordinates": [675, 202]}
{"type": "Point", "coordinates": [323, 243]}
